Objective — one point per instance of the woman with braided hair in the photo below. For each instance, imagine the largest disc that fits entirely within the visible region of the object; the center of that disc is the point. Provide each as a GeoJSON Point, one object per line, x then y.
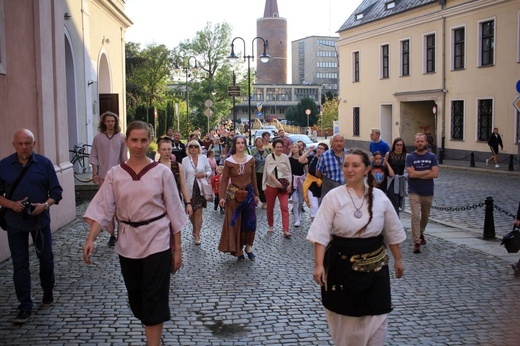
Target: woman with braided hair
{"type": "Point", "coordinates": [354, 225]}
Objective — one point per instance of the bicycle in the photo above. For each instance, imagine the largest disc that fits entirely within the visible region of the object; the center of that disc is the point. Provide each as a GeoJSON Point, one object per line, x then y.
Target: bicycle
{"type": "Point", "coordinates": [81, 154]}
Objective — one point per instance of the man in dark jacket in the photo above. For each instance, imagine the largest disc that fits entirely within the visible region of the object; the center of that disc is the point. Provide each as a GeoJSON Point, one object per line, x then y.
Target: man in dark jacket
{"type": "Point", "coordinates": [27, 212]}
{"type": "Point", "coordinates": [494, 141]}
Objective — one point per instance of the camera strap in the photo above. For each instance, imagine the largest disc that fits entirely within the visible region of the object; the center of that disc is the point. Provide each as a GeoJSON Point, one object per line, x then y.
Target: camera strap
{"type": "Point", "coordinates": [17, 181]}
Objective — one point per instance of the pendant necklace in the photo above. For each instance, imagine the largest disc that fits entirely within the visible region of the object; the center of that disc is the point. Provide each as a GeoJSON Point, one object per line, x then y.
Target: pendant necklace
{"type": "Point", "coordinates": [358, 213]}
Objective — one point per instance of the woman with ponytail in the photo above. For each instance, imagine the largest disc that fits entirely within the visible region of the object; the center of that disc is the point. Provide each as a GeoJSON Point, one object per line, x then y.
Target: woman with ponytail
{"type": "Point", "coordinates": [352, 229]}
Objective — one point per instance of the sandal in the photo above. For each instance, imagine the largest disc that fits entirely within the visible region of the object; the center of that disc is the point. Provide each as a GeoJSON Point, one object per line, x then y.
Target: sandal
{"type": "Point", "coordinates": [251, 256]}
{"type": "Point", "coordinates": [241, 258]}
{"type": "Point", "coordinates": [287, 235]}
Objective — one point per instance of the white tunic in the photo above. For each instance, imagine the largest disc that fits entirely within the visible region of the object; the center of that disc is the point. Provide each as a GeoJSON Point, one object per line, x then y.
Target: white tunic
{"type": "Point", "coordinates": [336, 217]}
{"type": "Point", "coordinates": [139, 198]}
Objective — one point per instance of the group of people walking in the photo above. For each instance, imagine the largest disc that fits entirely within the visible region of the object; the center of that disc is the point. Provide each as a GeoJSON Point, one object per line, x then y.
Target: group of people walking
{"type": "Point", "coordinates": [354, 199]}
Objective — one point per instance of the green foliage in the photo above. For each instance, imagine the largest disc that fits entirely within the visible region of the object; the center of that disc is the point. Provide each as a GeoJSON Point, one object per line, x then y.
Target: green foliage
{"type": "Point", "coordinates": [297, 113]}
{"type": "Point", "coordinates": [330, 112]}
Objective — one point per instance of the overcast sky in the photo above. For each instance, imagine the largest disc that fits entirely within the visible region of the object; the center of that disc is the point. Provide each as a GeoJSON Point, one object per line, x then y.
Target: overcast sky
{"type": "Point", "coordinates": [170, 22]}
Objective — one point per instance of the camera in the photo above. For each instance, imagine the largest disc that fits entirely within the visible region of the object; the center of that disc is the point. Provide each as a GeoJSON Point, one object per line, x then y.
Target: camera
{"type": "Point", "coordinates": [27, 209]}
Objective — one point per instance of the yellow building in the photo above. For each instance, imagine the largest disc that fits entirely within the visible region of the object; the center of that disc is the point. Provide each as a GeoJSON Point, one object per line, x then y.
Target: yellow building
{"type": "Point", "coordinates": [448, 67]}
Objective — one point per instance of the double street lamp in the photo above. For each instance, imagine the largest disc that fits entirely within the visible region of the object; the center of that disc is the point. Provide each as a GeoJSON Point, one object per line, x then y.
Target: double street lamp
{"type": "Point", "coordinates": [187, 69]}
{"type": "Point", "coordinates": [263, 58]}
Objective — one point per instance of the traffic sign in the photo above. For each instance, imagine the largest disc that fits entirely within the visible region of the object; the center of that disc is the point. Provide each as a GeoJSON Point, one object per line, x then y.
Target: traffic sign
{"type": "Point", "coordinates": [517, 103]}
{"type": "Point", "coordinates": [208, 112]}
{"type": "Point", "coordinates": [518, 87]}
{"type": "Point", "coordinates": [233, 90]}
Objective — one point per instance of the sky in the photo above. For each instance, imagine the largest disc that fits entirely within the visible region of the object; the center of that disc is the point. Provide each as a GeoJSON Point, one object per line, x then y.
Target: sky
{"type": "Point", "coordinates": [170, 22]}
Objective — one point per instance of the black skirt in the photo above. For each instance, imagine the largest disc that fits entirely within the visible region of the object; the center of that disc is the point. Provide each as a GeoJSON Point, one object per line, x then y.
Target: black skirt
{"type": "Point", "coordinates": [354, 293]}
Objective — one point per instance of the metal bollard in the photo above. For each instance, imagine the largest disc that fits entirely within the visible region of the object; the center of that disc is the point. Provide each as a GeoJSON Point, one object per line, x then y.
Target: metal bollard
{"type": "Point", "coordinates": [489, 222]}
{"type": "Point", "coordinates": [511, 165]}
{"type": "Point", "coordinates": [472, 160]}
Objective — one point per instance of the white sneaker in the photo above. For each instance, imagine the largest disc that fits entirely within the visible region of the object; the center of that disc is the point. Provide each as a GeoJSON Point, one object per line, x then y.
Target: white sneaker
{"type": "Point", "coordinates": [487, 162]}
{"type": "Point", "coordinates": [497, 166]}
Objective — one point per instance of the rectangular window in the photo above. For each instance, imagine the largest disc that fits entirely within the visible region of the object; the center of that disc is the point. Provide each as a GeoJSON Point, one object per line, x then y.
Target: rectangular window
{"type": "Point", "coordinates": [485, 119]}
{"type": "Point", "coordinates": [405, 58]}
{"type": "Point", "coordinates": [430, 53]}
{"type": "Point", "coordinates": [385, 61]}
{"type": "Point", "coordinates": [459, 37]}
{"type": "Point", "coordinates": [3, 67]}
{"type": "Point", "coordinates": [355, 60]}
{"type": "Point", "coordinates": [487, 43]}
{"type": "Point", "coordinates": [457, 120]}
{"type": "Point", "coordinates": [355, 125]}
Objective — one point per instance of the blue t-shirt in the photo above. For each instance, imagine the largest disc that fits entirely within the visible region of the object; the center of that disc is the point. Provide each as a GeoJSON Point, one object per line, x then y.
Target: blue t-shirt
{"type": "Point", "coordinates": [422, 187]}
{"type": "Point", "coordinates": [380, 146]}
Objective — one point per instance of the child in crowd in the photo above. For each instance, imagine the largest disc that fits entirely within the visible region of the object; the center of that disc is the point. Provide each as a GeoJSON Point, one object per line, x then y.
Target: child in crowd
{"type": "Point", "coordinates": [379, 172]}
{"type": "Point", "coordinates": [215, 185]}
{"type": "Point", "coordinates": [212, 162]}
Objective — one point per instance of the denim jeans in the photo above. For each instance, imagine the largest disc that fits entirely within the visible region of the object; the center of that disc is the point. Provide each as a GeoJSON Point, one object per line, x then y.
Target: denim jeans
{"type": "Point", "coordinates": [19, 246]}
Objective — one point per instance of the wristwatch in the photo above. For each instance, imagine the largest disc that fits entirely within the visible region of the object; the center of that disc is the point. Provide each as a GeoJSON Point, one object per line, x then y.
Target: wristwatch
{"type": "Point", "coordinates": [47, 206]}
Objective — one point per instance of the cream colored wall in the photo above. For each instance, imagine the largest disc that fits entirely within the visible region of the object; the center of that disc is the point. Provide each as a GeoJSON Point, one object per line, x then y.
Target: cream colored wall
{"type": "Point", "coordinates": [371, 91]}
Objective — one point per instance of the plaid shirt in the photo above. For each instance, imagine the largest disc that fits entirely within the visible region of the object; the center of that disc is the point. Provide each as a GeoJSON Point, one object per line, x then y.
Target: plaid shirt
{"type": "Point", "coordinates": [331, 165]}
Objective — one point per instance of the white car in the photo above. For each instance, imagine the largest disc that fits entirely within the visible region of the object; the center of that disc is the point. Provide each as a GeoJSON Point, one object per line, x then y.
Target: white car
{"type": "Point", "coordinates": [273, 132]}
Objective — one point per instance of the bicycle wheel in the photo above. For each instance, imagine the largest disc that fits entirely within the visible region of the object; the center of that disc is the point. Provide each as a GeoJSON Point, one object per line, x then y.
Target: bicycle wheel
{"type": "Point", "coordinates": [83, 175]}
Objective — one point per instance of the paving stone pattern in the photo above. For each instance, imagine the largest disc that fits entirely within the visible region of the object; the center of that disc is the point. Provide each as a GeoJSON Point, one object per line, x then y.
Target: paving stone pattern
{"type": "Point", "coordinates": [450, 294]}
{"type": "Point", "coordinates": [459, 188]}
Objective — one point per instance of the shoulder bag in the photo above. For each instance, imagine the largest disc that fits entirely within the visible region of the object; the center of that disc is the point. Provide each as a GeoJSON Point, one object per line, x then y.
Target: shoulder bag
{"type": "Point", "coordinates": [3, 223]}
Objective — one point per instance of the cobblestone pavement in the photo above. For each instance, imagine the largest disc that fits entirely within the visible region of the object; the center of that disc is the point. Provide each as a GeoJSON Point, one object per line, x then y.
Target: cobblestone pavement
{"type": "Point", "coordinates": [450, 295]}
{"type": "Point", "coordinates": [463, 188]}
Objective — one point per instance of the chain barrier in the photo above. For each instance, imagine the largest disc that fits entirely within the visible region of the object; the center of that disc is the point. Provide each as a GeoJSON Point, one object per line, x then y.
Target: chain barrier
{"type": "Point", "coordinates": [505, 212]}
{"type": "Point", "coordinates": [474, 206]}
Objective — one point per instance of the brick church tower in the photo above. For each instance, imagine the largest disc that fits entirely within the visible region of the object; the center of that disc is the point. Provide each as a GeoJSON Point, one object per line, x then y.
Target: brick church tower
{"type": "Point", "coordinates": [272, 28]}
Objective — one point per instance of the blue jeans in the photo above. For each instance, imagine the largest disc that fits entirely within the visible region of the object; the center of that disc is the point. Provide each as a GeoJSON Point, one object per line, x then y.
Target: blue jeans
{"type": "Point", "coordinates": [19, 246]}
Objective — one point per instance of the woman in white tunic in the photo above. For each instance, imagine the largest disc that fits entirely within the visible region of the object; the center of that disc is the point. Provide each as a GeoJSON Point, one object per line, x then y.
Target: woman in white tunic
{"type": "Point", "coordinates": [142, 194]}
{"type": "Point", "coordinates": [354, 224]}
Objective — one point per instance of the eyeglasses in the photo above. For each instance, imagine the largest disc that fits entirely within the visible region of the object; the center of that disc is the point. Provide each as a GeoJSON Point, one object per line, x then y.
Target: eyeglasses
{"type": "Point", "coordinates": [193, 146]}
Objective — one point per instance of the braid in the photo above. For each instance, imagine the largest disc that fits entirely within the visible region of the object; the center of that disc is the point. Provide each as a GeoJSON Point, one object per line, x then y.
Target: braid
{"type": "Point", "coordinates": [370, 180]}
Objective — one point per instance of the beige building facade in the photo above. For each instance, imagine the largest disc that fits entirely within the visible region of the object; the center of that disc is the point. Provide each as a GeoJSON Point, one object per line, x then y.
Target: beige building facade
{"type": "Point", "coordinates": [57, 60]}
{"type": "Point", "coordinates": [447, 67]}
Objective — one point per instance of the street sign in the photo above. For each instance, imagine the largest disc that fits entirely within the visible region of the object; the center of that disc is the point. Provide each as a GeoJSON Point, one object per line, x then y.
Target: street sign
{"type": "Point", "coordinates": [208, 103]}
{"type": "Point", "coordinates": [208, 112]}
{"type": "Point", "coordinates": [233, 90]}
{"type": "Point", "coordinates": [517, 103]}
{"type": "Point", "coordinates": [518, 87]}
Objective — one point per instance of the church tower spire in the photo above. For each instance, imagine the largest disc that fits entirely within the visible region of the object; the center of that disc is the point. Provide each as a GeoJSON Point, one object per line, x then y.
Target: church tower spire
{"type": "Point", "coordinates": [271, 9]}
{"type": "Point", "coordinates": [273, 29]}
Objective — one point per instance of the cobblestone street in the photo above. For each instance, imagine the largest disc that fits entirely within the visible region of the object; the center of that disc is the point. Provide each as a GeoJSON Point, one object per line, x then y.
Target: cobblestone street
{"type": "Point", "coordinates": [451, 294]}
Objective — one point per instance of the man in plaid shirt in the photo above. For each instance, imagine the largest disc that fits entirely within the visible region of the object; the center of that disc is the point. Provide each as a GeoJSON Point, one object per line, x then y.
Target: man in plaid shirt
{"type": "Point", "coordinates": [330, 165]}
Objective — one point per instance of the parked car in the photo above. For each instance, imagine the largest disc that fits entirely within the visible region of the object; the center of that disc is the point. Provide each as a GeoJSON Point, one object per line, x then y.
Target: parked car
{"type": "Point", "coordinates": [304, 138]}
{"type": "Point", "coordinates": [269, 128]}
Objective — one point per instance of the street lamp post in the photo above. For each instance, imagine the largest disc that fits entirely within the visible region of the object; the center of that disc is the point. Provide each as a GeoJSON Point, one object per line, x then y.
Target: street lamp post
{"type": "Point", "coordinates": [263, 58]}
{"type": "Point", "coordinates": [308, 112]}
{"type": "Point", "coordinates": [187, 69]}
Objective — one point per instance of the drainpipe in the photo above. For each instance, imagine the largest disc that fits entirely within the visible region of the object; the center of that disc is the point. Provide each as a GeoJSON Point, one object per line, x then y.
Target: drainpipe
{"type": "Point", "coordinates": [444, 106]}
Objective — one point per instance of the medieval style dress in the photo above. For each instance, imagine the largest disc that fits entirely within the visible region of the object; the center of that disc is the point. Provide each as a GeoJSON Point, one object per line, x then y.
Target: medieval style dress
{"type": "Point", "coordinates": [335, 218]}
{"type": "Point", "coordinates": [238, 187]}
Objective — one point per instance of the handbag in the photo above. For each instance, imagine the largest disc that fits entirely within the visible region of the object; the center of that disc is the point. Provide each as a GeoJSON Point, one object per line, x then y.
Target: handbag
{"type": "Point", "coordinates": [285, 182]}
{"type": "Point", "coordinates": [3, 210]}
{"type": "Point", "coordinates": [207, 191]}
{"type": "Point", "coordinates": [511, 241]}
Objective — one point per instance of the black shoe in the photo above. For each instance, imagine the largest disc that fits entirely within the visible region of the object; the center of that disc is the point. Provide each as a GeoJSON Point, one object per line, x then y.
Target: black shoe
{"type": "Point", "coordinates": [48, 299]}
{"type": "Point", "coordinates": [112, 241]}
{"type": "Point", "coordinates": [22, 316]}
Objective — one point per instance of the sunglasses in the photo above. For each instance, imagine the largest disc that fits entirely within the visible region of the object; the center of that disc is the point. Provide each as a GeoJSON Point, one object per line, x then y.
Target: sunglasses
{"type": "Point", "coordinates": [193, 146]}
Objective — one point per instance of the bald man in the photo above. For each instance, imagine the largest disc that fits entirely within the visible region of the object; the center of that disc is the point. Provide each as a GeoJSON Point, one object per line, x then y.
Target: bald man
{"type": "Point", "coordinates": [27, 212]}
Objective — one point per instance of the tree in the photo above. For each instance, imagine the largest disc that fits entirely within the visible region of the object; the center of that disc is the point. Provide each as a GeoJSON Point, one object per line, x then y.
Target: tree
{"type": "Point", "coordinates": [297, 114]}
{"type": "Point", "coordinates": [329, 112]}
{"type": "Point", "coordinates": [210, 47]}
